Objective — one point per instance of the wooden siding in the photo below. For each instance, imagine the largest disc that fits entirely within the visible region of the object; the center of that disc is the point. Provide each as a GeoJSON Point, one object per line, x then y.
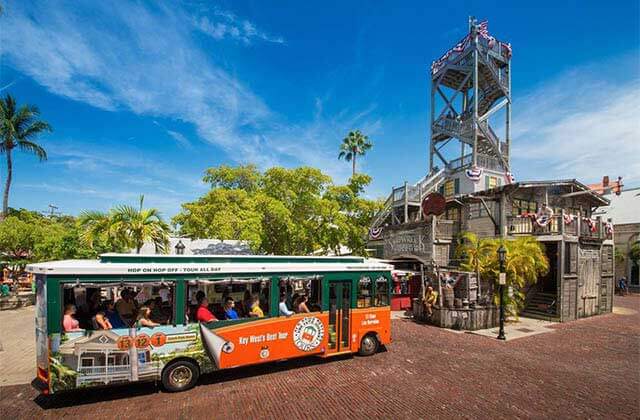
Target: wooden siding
{"type": "Point", "coordinates": [569, 296]}
{"type": "Point", "coordinates": [482, 226]}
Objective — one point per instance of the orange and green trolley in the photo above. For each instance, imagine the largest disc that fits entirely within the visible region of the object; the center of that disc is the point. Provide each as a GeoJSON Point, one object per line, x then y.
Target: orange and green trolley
{"type": "Point", "coordinates": [346, 310]}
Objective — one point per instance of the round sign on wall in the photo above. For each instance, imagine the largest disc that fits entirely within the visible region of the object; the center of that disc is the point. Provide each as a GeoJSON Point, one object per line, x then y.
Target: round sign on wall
{"type": "Point", "coordinates": [433, 203]}
{"type": "Point", "coordinates": [308, 333]}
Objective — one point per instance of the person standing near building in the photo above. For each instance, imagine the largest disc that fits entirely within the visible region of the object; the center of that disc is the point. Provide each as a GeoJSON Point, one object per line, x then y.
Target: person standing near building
{"type": "Point", "coordinates": [622, 285]}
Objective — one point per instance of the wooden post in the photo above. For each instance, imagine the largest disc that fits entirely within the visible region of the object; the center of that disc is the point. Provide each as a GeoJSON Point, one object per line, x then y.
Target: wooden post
{"type": "Point", "coordinates": [440, 301]}
{"type": "Point", "coordinates": [561, 221]}
{"type": "Point", "coordinates": [406, 203]}
{"type": "Point", "coordinates": [561, 271]}
{"type": "Point", "coordinates": [503, 215]}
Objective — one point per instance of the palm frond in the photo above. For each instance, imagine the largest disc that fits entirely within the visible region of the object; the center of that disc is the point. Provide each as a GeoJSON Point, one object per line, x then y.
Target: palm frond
{"type": "Point", "coordinates": [33, 148]}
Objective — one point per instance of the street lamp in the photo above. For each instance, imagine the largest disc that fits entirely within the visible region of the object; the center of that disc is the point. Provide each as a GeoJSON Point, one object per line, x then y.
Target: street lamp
{"type": "Point", "coordinates": [180, 247]}
{"type": "Point", "coordinates": [502, 280]}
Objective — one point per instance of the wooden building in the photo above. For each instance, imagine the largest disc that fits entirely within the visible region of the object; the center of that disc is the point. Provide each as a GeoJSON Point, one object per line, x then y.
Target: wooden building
{"type": "Point", "coordinates": [470, 91]}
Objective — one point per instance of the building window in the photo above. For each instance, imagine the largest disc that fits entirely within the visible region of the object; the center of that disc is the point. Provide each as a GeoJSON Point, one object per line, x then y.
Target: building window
{"type": "Point", "coordinates": [449, 188]}
{"type": "Point", "coordinates": [492, 182]}
{"type": "Point", "coordinates": [456, 186]}
{"type": "Point", "coordinates": [477, 210]}
{"type": "Point", "coordinates": [453, 213]}
{"type": "Point", "coordinates": [520, 207]}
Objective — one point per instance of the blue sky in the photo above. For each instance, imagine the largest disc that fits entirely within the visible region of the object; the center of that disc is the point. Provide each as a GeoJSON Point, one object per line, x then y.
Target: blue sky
{"type": "Point", "coordinates": [144, 97]}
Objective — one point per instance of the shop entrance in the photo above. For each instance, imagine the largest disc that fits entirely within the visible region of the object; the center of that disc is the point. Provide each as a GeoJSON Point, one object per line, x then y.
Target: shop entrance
{"type": "Point", "coordinates": [549, 282]}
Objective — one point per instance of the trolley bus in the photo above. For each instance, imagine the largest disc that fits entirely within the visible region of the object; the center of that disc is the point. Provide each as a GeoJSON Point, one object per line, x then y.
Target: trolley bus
{"type": "Point", "coordinates": [126, 317]}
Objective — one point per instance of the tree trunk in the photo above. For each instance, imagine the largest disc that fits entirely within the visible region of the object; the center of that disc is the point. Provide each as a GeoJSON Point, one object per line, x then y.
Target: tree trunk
{"type": "Point", "coordinates": [5, 199]}
{"type": "Point", "coordinates": [353, 163]}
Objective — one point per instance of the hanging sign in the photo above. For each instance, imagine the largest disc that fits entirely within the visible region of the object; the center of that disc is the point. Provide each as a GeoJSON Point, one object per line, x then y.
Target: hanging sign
{"type": "Point", "coordinates": [502, 279]}
{"type": "Point", "coordinates": [433, 203]}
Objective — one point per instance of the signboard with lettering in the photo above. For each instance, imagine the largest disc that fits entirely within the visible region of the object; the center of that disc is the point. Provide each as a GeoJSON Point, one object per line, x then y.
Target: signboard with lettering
{"type": "Point", "coordinates": [415, 242]}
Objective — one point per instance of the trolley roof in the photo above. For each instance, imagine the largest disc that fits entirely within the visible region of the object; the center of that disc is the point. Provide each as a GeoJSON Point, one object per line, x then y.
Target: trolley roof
{"type": "Point", "coordinates": [133, 264]}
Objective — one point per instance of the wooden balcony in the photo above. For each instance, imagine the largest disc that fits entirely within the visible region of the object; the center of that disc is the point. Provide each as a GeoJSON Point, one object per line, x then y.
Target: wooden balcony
{"type": "Point", "coordinates": [585, 228]}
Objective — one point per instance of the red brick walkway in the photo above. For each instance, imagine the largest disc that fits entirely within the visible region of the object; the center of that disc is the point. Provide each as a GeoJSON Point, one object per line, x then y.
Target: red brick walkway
{"type": "Point", "coordinates": [586, 369]}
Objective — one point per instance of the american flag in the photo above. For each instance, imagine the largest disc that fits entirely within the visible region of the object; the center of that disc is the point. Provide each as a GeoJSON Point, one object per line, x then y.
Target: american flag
{"type": "Point", "coordinates": [483, 29]}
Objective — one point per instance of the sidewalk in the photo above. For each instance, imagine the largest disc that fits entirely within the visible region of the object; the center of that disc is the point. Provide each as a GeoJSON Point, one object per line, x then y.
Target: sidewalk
{"type": "Point", "coordinates": [524, 327]}
{"type": "Point", "coordinates": [17, 346]}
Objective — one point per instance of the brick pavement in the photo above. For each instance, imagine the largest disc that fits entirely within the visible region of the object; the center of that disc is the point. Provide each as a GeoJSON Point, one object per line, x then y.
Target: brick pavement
{"type": "Point", "coordinates": [586, 369]}
{"type": "Point", "coordinates": [17, 345]}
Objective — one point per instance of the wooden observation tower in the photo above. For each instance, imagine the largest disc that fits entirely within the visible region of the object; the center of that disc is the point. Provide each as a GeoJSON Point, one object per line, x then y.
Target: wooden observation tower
{"type": "Point", "coordinates": [471, 86]}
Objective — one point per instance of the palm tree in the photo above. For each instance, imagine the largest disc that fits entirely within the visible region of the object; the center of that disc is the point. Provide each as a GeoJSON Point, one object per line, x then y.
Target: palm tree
{"type": "Point", "coordinates": [473, 253]}
{"type": "Point", "coordinates": [100, 227]}
{"type": "Point", "coordinates": [126, 225]}
{"type": "Point", "coordinates": [355, 144]}
{"type": "Point", "coordinates": [526, 261]}
{"type": "Point", "coordinates": [18, 128]}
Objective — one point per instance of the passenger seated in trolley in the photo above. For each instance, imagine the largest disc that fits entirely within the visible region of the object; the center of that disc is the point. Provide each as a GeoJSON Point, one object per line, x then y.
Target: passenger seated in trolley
{"type": "Point", "coordinates": [144, 319]}
{"type": "Point", "coordinates": [69, 323]}
{"type": "Point", "coordinates": [100, 321]}
{"type": "Point", "coordinates": [203, 314]}
{"type": "Point", "coordinates": [229, 311]}
{"type": "Point", "coordinates": [255, 310]}
{"type": "Point", "coordinates": [301, 305]}
{"type": "Point", "coordinates": [282, 307]}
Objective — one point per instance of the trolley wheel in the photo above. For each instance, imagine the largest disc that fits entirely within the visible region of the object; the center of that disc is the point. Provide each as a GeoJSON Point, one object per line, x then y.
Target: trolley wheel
{"type": "Point", "coordinates": [369, 345]}
{"type": "Point", "coordinates": [180, 376]}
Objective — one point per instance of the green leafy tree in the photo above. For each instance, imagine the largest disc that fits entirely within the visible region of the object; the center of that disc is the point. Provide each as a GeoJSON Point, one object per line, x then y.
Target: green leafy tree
{"type": "Point", "coordinates": [245, 177]}
{"type": "Point", "coordinates": [281, 211]}
{"type": "Point", "coordinates": [473, 253]}
{"type": "Point", "coordinates": [19, 127]}
{"type": "Point", "coordinates": [221, 213]}
{"type": "Point", "coordinates": [126, 226]}
{"type": "Point", "coordinates": [18, 240]}
{"type": "Point", "coordinates": [354, 145]}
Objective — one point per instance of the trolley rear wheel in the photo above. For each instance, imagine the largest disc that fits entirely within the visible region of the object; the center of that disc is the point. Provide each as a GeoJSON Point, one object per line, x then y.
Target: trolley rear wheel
{"type": "Point", "coordinates": [369, 345]}
{"type": "Point", "coordinates": [180, 376]}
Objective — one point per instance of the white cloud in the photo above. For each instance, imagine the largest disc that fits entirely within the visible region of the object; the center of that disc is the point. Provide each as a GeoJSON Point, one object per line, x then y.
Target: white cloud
{"type": "Point", "coordinates": [583, 125]}
{"type": "Point", "coordinates": [146, 59]}
{"type": "Point", "coordinates": [224, 24]}
{"type": "Point", "coordinates": [134, 58]}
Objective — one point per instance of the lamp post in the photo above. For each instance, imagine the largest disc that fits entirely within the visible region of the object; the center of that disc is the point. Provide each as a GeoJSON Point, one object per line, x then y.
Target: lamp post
{"type": "Point", "coordinates": [180, 247]}
{"type": "Point", "coordinates": [502, 277]}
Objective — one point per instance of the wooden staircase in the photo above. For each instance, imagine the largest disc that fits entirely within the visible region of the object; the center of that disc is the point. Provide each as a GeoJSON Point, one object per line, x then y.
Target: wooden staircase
{"type": "Point", "coordinates": [541, 306]}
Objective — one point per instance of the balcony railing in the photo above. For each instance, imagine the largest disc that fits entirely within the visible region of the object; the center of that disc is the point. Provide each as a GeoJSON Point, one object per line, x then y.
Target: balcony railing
{"type": "Point", "coordinates": [525, 225]}
{"type": "Point", "coordinates": [591, 229]}
{"type": "Point", "coordinates": [558, 225]}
